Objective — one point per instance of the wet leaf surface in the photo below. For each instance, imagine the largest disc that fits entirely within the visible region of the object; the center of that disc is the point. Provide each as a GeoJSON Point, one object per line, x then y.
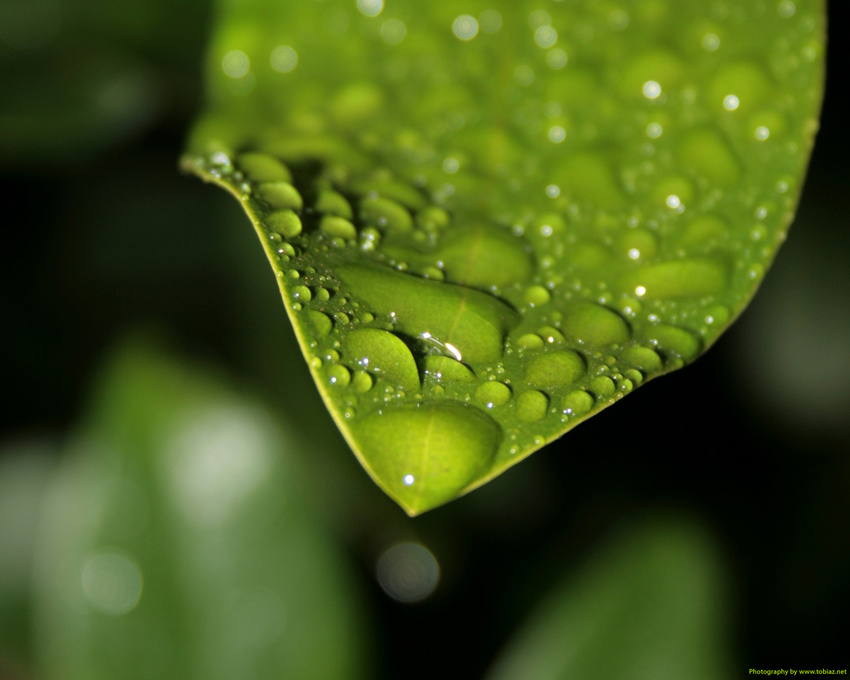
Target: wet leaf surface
{"type": "Point", "coordinates": [537, 206]}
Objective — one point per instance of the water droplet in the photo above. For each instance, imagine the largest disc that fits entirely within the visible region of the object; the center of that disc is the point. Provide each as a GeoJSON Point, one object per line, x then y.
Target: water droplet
{"type": "Point", "coordinates": [446, 368]}
{"type": "Point", "coordinates": [321, 322]}
{"type": "Point", "coordinates": [334, 203]}
{"type": "Point", "coordinates": [531, 406]}
{"type": "Point", "coordinates": [483, 258]}
{"type": "Point", "coordinates": [338, 227]}
{"type": "Point", "coordinates": [260, 167]}
{"type": "Point", "coordinates": [577, 403]}
{"type": "Point", "coordinates": [602, 387]}
{"type": "Point", "coordinates": [554, 369]}
{"type": "Point", "coordinates": [338, 375]}
{"type": "Point", "coordinates": [472, 322]}
{"type": "Point", "coordinates": [536, 296]}
{"type": "Point", "coordinates": [444, 445]}
{"type": "Point", "coordinates": [280, 195]}
{"type": "Point", "coordinates": [302, 293]}
{"type": "Point", "coordinates": [493, 393]}
{"type": "Point", "coordinates": [595, 325]}
{"type": "Point", "coordinates": [383, 354]}
{"type": "Point", "coordinates": [284, 222]}
{"type": "Point", "coordinates": [386, 213]}
{"type": "Point", "coordinates": [643, 358]}
{"type": "Point", "coordinates": [676, 340]}
{"type": "Point", "coordinates": [689, 278]}
{"type": "Point", "coordinates": [361, 381]}
{"type": "Point", "coordinates": [551, 336]}
{"type": "Point", "coordinates": [530, 341]}
{"type": "Point", "coordinates": [709, 154]}
{"type": "Point", "coordinates": [634, 375]}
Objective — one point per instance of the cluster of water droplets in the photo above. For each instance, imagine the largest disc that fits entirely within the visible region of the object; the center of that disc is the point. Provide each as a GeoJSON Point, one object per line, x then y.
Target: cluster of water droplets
{"type": "Point", "coordinates": [502, 273]}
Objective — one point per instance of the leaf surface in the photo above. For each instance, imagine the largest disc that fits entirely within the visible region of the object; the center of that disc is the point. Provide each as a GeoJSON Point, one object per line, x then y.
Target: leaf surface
{"type": "Point", "coordinates": [539, 205]}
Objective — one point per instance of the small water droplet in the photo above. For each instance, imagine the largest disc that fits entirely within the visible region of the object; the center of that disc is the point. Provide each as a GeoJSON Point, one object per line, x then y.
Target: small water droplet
{"type": "Point", "coordinates": [532, 406]}
{"type": "Point", "coordinates": [577, 403]}
{"type": "Point", "coordinates": [493, 393]}
{"type": "Point", "coordinates": [284, 222]}
{"type": "Point", "coordinates": [536, 296]}
{"type": "Point", "coordinates": [338, 375]}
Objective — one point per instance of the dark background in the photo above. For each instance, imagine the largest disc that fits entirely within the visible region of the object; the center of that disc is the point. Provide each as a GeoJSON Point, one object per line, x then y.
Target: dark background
{"type": "Point", "coordinates": [102, 238]}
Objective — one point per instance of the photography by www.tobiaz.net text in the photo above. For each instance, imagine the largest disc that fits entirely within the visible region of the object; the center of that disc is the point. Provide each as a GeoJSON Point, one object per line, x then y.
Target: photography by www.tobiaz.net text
{"type": "Point", "coordinates": [798, 671]}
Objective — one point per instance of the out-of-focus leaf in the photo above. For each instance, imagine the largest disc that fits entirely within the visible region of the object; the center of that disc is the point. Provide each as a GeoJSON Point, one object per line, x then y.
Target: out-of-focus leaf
{"type": "Point", "coordinates": [24, 472]}
{"type": "Point", "coordinates": [77, 76]}
{"type": "Point", "coordinates": [650, 605]}
{"type": "Point", "coordinates": [489, 222]}
{"type": "Point", "coordinates": [176, 542]}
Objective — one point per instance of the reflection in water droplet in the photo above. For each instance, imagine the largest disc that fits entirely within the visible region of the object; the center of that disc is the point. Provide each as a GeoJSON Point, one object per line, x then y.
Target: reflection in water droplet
{"type": "Point", "coordinates": [408, 572]}
{"type": "Point", "coordinates": [112, 582]}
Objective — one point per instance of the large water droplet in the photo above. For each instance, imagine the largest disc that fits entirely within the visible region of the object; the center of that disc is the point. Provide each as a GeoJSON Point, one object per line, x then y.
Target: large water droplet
{"type": "Point", "coordinates": [554, 369]}
{"type": "Point", "coordinates": [383, 354]}
{"type": "Point", "coordinates": [472, 323]}
{"type": "Point", "coordinates": [280, 195]}
{"type": "Point", "coordinates": [444, 446]}
{"type": "Point", "coordinates": [595, 325]}
{"type": "Point", "coordinates": [260, 167]}
{"type": "Point", "coordinates": [689, 278]}
{"type": "Point", "coordinates": [483, 258]}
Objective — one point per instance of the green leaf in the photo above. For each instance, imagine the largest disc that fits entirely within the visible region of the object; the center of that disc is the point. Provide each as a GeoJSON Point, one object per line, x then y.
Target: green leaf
{"type": "Point", "coordinates": [177, 542]}
{"type": "Point", "coordinates": [540, 205]}
{"type": "Point", "coordinates": [651, 604]}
